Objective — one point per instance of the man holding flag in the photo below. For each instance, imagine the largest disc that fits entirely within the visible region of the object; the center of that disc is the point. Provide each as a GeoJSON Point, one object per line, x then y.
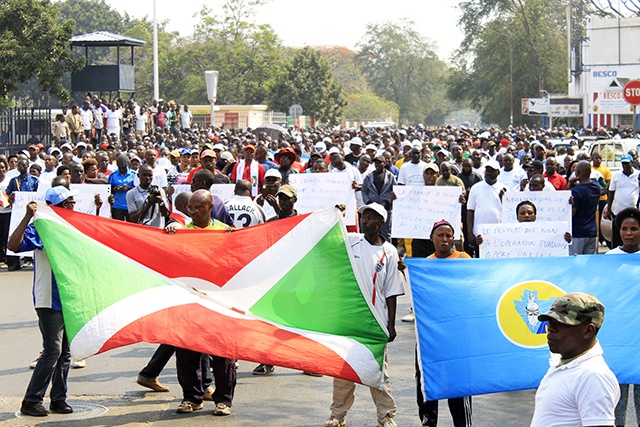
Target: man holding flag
{"type": "Point", "coordinates": [379, 261]}
{"type": "Point", "coordinates": [53, 364]}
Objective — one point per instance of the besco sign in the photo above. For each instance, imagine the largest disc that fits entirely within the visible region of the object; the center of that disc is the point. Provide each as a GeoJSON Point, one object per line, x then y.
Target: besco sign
{"type": "Point", "coordinates": [605, 74]}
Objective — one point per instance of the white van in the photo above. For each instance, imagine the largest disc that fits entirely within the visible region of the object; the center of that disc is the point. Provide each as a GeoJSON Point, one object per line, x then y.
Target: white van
{"type": "Point", "coordinates": [612, 150]}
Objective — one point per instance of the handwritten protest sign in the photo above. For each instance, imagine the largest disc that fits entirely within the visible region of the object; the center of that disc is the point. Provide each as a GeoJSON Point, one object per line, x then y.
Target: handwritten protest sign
{"type": "Point", "coordinates": [417, 208]}
{"type": "Point", "coordinates": [224, 191]}
{"type": "Point", "coordinates": [550, 205]}
{"type": "Point", "coordinates": [524, 240]}
{"type": "Point", "coordinates": [317, 191]}
{"type": "Point", "coordinates": [85, 201]}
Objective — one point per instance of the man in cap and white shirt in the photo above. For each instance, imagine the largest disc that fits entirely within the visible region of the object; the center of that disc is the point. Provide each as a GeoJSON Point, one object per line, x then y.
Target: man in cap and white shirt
{"type": "Point", "coordinates": [355, 145]}
{"type": "Point", "coordinates": [379, 262]}
{"type": "Point", "coordinates": [485, 200]}
{"type": "Point", "coordinates": [579, 389]}
{"type": "Point", "coordinates": [623, 193]}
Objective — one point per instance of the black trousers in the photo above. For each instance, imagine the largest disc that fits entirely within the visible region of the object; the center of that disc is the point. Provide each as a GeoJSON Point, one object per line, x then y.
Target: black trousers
{"type": "Point", "coordinates": [460, 407]}
{"type": "Point", "coordinates": [190, 376]}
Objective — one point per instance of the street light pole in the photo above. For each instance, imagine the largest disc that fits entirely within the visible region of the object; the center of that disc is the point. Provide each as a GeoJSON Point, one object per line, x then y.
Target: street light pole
{"type": "Point", "coordinates": [548, 107]}
{"type": "Point", "coordinates": [156, 84]}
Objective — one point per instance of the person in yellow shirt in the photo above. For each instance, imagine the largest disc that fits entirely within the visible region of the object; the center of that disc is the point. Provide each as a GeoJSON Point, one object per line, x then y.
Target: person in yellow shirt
{"type": "Point", "coordinates": [188, 362]}
{"type": "Point", "coordinates": [596, 159]}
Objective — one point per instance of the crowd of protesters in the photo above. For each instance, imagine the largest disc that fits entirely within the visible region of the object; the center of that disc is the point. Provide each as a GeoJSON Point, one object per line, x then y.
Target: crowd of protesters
{"type": "Point", "coordinates": [143, 151]}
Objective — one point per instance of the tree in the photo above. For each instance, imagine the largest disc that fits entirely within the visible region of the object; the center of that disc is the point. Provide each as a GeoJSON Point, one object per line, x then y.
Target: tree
{"type": "Point", "coordinates": [610, 8]}
{"type": "Point", "coordinates": [167, 51]}
{"type": "Point", "coordinates": [401, 66]}
{"type": "Point", "coordinates": [369, 107]}
{"type": "Point", "coordinates": [34, 44]}
{"type": "Point", "coordinates": [94, 15]}
{"type": "Point", "coordinates": [512, 49]}
{"type": "Point", "coordinates": [345, 68]}
{"type": "Point", "coordinates": [245, 55]}
{"type": "Point", "coordinates": [307, 80]}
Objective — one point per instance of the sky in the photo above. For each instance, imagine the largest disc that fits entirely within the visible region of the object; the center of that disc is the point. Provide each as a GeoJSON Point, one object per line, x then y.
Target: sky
{"type": "Point", "coordinates": [325, 23]}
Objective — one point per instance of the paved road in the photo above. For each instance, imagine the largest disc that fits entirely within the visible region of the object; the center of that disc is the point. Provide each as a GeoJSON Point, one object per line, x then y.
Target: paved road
{"type": "Point", "coordinates": [286, 398]}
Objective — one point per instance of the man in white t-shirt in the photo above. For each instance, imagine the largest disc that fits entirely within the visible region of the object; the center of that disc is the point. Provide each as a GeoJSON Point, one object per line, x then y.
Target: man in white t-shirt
{"type": "Point", "coordinates": [511, 175]}
{"type": "Point", "coordinates": [86, 114]}
{"type": "Point", "coordinates": [485, 200]}
{"type": "Point", "coordinates": [579, 389]}
{"type": "Point", "coordinates": [623, 193]}
{"type": "Point", "coordinates": [99, 111]}
{"type": "Point", "coordinates": [159, 174]}
{"type": "Point", "coordinates": [243, 210]}
{"type": "Point", "coordinates": [114, 120]}
{"type": "Point", "coordinates": [185, 118]}
{"type": "Point", "coordinates": [411, 172]}
{"type": "Point", "coordinates": [378, 260]}
{"type": "Point", "coordinates": [142, 122]}
{"type": "Point", "coordinates": [339, 165]}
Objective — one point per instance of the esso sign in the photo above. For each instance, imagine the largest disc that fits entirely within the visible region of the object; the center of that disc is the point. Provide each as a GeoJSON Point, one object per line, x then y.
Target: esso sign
{"type": "Point", "coordinates": [631, 92]}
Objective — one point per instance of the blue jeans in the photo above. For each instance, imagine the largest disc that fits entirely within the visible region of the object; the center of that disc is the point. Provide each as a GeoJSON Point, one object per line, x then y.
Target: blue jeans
{"type": "Point", "coordinates": [53, 363]}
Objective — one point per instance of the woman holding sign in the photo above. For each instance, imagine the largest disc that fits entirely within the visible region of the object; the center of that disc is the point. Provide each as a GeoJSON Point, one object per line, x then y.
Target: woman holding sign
{"type": "Point", "coordinates": [460, 408]}
{"type": "Point", "coordinates": [526, 212]}
{"type": "Point", "coordinates": [628, 221]}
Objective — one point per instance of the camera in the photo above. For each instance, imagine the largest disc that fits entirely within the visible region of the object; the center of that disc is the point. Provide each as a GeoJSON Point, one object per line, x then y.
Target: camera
{"type": "Point", "coordinates": [154, 191]}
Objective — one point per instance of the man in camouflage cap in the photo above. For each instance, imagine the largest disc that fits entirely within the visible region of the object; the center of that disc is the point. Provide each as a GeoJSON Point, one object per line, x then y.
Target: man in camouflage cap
{"type": "Point", "coordinates": [579, 389]}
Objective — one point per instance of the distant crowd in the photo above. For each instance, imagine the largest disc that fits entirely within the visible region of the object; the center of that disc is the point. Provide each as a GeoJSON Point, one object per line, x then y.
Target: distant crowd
{"type": "Point", "coordinates": [144, 151]}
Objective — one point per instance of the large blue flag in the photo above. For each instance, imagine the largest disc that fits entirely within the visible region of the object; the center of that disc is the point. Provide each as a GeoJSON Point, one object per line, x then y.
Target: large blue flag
{"type": "Point", "coordinates": [477, 324]}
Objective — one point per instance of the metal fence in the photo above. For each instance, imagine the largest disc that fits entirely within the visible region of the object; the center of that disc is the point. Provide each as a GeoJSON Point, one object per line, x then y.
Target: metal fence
{"type": "Point", "coordinates": [20, 127]}
{"type": "Point", "coordinates": [240, 120]}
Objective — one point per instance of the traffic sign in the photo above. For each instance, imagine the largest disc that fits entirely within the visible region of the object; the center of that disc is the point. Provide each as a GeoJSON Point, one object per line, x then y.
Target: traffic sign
{"type": "Point", "coordinates": [631, 92]}
{"type": "Point", "coordinates": [295, 111]}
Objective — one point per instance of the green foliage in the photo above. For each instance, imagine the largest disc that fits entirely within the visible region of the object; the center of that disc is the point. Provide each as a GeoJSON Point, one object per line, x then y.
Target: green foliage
{"type": "Point", "coordinates": [345, 69]}
{"type": "Point", "coordinates": [33, 44]}
{"type": "Point", "coordinates": [512, 50]}
{"type": "Point", "coordinates": [245, 55]}
{"type": "Point", "coordinates": [401, 66]}
{"type": "Point", "coordinates": [94, 15]}
{"type": "Point", "coordinates": [307, 80]}
{"type": "Point", "coordinates": [143, 30]}
{"type": "Point", "coordinates": [369, 107]}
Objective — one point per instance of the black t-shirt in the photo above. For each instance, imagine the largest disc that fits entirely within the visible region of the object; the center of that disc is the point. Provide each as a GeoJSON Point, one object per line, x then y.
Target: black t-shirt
{"type": "Point", "coordinates": [352, 158]}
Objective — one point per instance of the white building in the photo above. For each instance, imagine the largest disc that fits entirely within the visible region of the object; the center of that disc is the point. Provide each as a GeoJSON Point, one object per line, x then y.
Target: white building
{"type": "Point", "coordinates": [611, 57]}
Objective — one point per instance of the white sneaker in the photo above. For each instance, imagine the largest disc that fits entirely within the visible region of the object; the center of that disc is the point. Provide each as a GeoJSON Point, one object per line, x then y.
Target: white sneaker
{"type": "Point", "coordinates": [334, 422]}
{"type": "Point", "coordinates": [387, 422]}
{"type": "Point", "coordinates": [78, 364]}
{"type": "Point", "coordinates": [33, 364]}
{"type": "Point", "coordinates": [411, 317]}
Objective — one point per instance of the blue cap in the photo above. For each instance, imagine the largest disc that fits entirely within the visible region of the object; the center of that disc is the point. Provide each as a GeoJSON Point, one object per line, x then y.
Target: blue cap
{"type": "Point", "coordinates": [626, 158]}
{"type": "Point", "coordinates": [57, 195]}
{"type": "Point", "coordinates": [185, 151]}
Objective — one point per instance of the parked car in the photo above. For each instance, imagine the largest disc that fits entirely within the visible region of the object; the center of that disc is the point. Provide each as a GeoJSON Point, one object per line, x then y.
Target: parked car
{"type": "Point", "coordinates": [612, 150]}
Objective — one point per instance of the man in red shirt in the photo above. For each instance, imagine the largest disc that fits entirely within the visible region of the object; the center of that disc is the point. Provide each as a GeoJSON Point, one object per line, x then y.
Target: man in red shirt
{"type": "Point", "coordinates": [557, 180]}
{"type": "Point", "coordinates": [208, 160]}
{"type": "Point", "coordinates": [249, 170]}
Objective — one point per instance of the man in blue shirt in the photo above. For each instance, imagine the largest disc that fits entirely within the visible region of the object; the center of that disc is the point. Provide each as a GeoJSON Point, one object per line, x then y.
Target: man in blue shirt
{"type": "Point", "coordinates": [121, 182]}
{"type": "Point", "coordinates": [53, 363]}
{"type": "Point", "coordinates": [586, 196]}
{"type": "Point", "coordinates": [22, 182]}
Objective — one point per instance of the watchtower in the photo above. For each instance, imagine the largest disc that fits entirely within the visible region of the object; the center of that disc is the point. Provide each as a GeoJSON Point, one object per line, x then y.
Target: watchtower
{"type": "Point", "coordinates": [105, 78]}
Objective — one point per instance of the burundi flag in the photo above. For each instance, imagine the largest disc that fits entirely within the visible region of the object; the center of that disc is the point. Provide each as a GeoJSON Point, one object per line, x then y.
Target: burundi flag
{"type": "Point", "coordinates": [477, 320]}
{"type": "Point", "coordinates": [286, 293]}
